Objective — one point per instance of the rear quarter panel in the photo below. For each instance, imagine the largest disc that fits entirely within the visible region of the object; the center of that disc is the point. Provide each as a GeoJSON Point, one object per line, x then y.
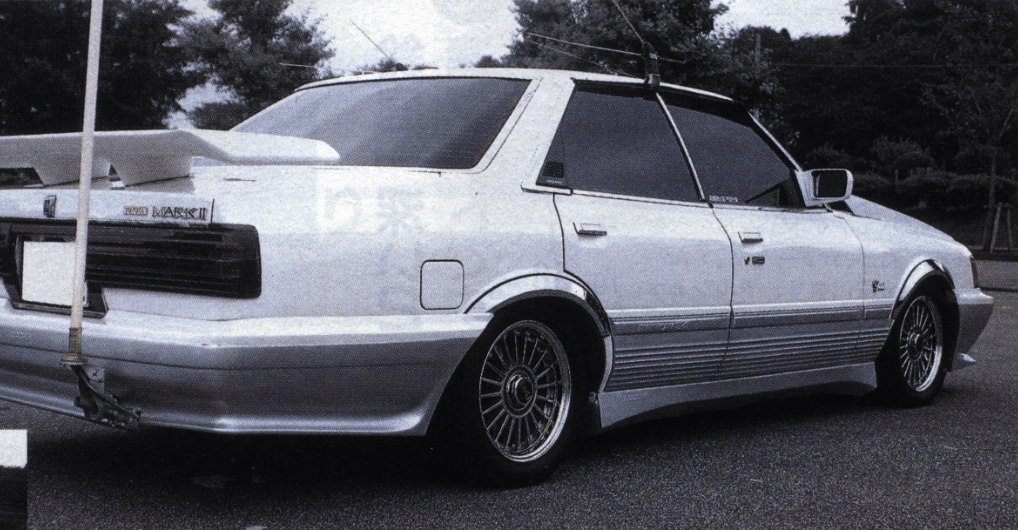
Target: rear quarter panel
{"type": "Point", "coordinates": [348, 241]}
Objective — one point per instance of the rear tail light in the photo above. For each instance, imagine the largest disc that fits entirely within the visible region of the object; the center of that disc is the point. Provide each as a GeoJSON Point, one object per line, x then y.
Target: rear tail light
{"type": "Point", "coordinates": [213, 260]}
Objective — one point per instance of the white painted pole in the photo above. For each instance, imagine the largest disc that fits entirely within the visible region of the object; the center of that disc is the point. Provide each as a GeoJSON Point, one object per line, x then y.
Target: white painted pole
{"type": "Point", "coordinates": [74, 356]}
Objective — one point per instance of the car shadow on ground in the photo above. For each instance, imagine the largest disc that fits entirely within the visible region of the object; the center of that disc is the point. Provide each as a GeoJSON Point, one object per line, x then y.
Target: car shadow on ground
{"type": "Point", "coordinates": [155, 458]}
{"type": "Point", "coordinates": [224, 462]}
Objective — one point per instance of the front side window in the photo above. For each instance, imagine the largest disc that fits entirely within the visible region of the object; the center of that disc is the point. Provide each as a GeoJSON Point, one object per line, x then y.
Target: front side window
{"type": "Point", "coordinates": [618, 141]}
{"type": "Point", "coordinates": [432, 123]}
{"type": "Point", "coordinates": [734, 162]}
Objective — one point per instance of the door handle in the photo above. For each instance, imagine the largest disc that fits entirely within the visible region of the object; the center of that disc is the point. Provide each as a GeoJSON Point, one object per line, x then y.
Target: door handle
{"type": "Point", "coordinates": [751, 237]}
{"type": "Point", "coordinates": [590, 229]}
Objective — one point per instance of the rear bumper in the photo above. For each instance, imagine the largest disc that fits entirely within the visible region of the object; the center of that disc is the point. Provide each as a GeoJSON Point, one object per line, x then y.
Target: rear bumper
{"type": "Point", "coordinates": [371, 375]}
{"type": "Point", "coordinates": [974, 311]}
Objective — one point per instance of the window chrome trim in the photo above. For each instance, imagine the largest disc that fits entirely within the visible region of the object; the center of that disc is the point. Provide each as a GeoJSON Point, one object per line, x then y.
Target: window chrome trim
{"type": "Point", "coordinates": [751, 207]}
{"type": "Point", "coordinates": [682, 145]}
{"type": "Point", "coordinates": [636, 198]}
{"type": "Point", "coordinates": [775, 143]}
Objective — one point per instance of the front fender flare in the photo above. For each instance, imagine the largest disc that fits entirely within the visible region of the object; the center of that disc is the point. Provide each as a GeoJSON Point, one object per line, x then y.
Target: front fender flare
{"type": "Point", "coordinates": [921, 272]}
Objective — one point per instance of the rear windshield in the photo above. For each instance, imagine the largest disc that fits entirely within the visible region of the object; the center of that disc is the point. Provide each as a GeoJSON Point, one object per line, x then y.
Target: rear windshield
{"type": "Point", "coordinates": [433, 123]}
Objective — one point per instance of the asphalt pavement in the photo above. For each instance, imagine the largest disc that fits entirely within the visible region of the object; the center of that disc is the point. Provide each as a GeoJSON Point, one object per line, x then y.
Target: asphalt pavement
{"type": "Point", "coordinates": [815, 462]}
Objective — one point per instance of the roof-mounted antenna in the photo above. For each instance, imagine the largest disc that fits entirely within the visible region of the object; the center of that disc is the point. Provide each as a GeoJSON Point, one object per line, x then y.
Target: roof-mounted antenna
{"type": "Point", "coordinates": [651, 72]}
{"type": "Point", "coordinates": [375, 44]}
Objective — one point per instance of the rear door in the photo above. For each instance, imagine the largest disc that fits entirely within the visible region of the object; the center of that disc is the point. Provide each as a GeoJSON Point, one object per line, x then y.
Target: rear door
{"type": "Point", "coordinates": [637, 234]}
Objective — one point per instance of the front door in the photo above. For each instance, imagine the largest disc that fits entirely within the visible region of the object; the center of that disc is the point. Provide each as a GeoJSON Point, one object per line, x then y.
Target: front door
{"type": "Point", "coordinates": [797, 285]}
{"type": "Point", "coordinates": [796, 295]}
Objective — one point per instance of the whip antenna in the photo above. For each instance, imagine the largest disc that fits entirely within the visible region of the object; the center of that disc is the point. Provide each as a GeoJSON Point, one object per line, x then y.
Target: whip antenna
{"type": "Point", "coordinates": [651, 72]}
{"type": "Point", "coordinates": [372, 41]}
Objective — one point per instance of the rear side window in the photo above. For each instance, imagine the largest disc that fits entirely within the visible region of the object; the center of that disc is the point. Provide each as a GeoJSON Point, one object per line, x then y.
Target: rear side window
{"type": "Point", "coordinates": [618, 142]}
{"type": "Point", "coordinates": [734, 163]}
{"type": "Point", "coordinates": [433, 123]}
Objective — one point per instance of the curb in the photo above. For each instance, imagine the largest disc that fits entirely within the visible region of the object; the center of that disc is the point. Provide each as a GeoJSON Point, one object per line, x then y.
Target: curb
{"type": "Point", "coordinates": [999, 289]}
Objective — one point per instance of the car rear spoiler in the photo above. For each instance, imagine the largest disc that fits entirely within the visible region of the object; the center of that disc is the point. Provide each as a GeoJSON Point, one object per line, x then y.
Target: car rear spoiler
{"type": "Point", "coordinates": [144, 156]}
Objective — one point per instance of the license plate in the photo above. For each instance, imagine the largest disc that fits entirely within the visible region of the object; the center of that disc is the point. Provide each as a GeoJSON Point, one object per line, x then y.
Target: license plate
{"type": "Point", "coordinates": [48, 272]}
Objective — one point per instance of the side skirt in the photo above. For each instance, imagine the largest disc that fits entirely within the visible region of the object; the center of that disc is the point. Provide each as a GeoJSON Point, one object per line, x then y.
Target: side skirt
{"type": "Point", "coordinates": [628, 406]}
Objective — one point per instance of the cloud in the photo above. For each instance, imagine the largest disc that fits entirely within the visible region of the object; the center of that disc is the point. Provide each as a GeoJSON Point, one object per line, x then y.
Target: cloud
{"type": "Point", "coordinates": [800, 17]}
{"type": "Point", "coordinates": [441, 33]}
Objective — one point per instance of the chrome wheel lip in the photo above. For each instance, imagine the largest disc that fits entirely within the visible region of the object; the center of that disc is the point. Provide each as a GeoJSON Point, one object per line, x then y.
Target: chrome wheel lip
{"type": "Point", "coordinates": [524, 391]}
{"type": "Point", "coordinates": [920, 344]}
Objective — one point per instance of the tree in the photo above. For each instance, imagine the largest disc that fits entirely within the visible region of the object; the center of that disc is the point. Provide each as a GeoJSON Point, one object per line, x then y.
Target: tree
{"type": "Point", "coordinates": [979, 97]}
{"type": "Point", "coordinates": [871, 18]}
{"type": "Point", "coordinates": [747, 74]}
{"type": "Point", "coordinates": [43, 46]}
{"type": "Point", "coordinates": [255, 51]}
{"type": "Point", "coordinates": [680, 31]}
{"type": "Point", "coordinates": [385, 65]}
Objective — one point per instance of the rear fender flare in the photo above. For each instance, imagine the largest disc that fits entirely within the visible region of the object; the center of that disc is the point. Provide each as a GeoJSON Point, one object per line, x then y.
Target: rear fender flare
{"type": "Point", "coordinates": [542, 285]}
{"type": "Point", "coordinates": [519, 291]}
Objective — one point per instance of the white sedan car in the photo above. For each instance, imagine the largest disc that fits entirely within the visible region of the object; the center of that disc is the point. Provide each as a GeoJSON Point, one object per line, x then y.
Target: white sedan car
{"type": "Point", "coordinates": [505, 259]}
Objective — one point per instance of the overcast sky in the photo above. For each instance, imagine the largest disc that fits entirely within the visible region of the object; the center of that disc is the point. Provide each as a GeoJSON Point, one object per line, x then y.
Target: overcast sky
{"type": "Point", "coordinates": [450, 33]}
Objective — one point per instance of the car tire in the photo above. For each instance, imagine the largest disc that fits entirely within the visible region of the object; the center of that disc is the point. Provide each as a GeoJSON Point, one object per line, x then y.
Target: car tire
{"type": "Point", "coordinates": [913, 364]}
{"type": "Point", "coordinates": [512, 412]}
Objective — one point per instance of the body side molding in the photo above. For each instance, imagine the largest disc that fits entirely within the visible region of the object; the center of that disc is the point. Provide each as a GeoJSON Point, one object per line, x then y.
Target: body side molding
{"type": "Point", "coordinates": [617, 407]}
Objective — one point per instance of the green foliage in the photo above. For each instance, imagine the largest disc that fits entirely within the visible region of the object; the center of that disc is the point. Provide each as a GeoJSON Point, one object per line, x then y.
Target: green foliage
{"type": "Point", "coordinates": [937, 72]}
{"type": "Point", "coordinates": [939, 191]}
{"type": "Point", "coordinates": [887, 151]}
{"type": "Point", "coordinates": [897, 157]}
{"type": "Point", "coordinates": [219, 115]}
{"type": "Point", "coordinates": [871, 18]}
{"type": "Point", "coordinates": [969, 192]}
{"type": "Point", "coordinates": [257, 52]}
{"type": "Point", "coordinates": [929, 190]}
{"type": "Point", "coordinates": [43, 49]}
{"type": "Point", "coordinates": [745, 72]}
{"type": "Point", "coordinates": [489, 62]}
{"type": "Point", "coordinates": [680, 31]}
{"type": "Point", "coordinates": [386, 65]}
{"type": "Point", "coordinates": [913, 160]}
{"type": "Point", "coordinates": [978, 96]}
{"type": "Point", "coordinates": [828, 157]}
{"type": "Point", "coordinates": [875, 188]}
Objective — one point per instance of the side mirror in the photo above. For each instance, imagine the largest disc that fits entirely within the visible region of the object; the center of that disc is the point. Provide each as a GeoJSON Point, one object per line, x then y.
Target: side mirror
{"type": "Point", "coordinates": [824, 186]}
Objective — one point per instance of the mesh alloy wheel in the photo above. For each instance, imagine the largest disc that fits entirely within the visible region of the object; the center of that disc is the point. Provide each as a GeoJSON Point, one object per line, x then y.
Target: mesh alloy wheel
{"type": "Point", "coordinates": [920, 344]}
{"type": "Point", "coordinates": [524, 391]}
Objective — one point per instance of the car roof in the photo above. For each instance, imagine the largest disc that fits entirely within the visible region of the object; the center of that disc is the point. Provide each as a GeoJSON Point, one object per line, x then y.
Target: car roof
{"type": "Point", "coordinates": [504, 73]}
